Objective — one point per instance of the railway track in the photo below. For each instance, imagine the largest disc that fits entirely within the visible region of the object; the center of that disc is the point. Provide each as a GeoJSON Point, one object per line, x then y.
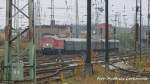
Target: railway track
{"type": "Point", "coordinates": [50, 69]}
{"type": "Point", "coordinates": [99, 59]}
{"type": "Point", "coordinates": [131, 73]}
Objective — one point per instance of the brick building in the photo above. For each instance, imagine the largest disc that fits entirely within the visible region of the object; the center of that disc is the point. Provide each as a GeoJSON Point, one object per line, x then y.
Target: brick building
{"type": "Point", "coordinates": [60, 30]}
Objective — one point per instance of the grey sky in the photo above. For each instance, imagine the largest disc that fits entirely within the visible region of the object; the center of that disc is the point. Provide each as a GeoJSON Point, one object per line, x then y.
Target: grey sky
{"type": "Point", "coordinates": [64, 16]}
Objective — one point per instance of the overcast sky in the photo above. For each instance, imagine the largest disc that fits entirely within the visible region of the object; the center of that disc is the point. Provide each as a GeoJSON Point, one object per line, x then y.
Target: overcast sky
{"type": "Point", "coordinates": [63, 16]}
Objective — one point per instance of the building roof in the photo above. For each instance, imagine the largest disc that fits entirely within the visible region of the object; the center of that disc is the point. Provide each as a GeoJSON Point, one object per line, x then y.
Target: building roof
{"type": "Point", "coordinates": [102, 26]}
{"type": "Point", "coordinates": [49, 26]}
{"type": "Point", "coordinates": [79, 39]}
{"type": "Point", "coordinates": [83, 39]}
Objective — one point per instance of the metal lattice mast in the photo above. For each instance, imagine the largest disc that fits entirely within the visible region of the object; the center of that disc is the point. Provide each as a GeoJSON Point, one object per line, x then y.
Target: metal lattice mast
{"type": "Point", "coordinates": [7, 57]}
{"type": "Point", "coordinates": [10, 64]}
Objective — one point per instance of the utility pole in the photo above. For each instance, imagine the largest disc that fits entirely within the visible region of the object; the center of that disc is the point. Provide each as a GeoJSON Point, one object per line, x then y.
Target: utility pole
{"type": "Point", "coordinates": [0, 13]}
{"type": "Point", "coordinates": [116, 16]}
{"type": "Point", "coordinates": [106, 35]}
{"type": "Point", "coordinates": [140, 30]}
{"type": "Point", "coordinates": [117, 24]}
{"type": "Point", "coordinates": [77, 20]}
{"type": "Point", "coordinates": [148, 27]}
{"type": "Point", "coordinates": [38, 19]}
{"type": "Point", "coordinates": [136, 30]}
{"type": "Point", "coordinates": [52, 14]}
{"type": "Point", "coordinates": [125, 25]}
{"type": "Point", "coordinates": [98, 11]}
{"type": "Point", "coordinates": [88, 65]}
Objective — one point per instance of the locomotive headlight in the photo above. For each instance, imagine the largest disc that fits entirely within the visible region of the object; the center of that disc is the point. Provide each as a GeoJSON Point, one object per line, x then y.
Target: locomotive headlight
{"type": "Point", "coordinates": [47, 44]}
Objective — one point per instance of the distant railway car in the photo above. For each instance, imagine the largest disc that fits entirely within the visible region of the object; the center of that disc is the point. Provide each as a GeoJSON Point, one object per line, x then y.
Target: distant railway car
{"type": "Point", "coordinates": [113, 44]}
{"type": "Point", "coordinates": [73, 44]}
{"type": "Point", "coordinates": [51, 42]}
{"type": "Point", "coordinates": [51, 45]}
{"type": "Point", "coordinates": [96, 45]}
{"type": "Point", "coordinates": [55, 45]}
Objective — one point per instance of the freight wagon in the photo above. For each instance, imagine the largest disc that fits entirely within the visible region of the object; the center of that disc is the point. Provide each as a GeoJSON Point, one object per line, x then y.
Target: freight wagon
{"type": "Point", "coordinates": [51, 45]}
